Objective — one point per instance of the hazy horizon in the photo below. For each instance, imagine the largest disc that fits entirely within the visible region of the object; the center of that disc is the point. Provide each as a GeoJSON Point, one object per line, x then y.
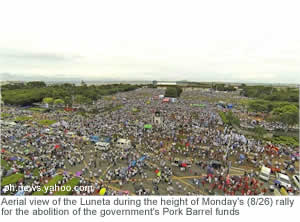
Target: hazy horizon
{"type": "Point", "coordinates": [97, 81]}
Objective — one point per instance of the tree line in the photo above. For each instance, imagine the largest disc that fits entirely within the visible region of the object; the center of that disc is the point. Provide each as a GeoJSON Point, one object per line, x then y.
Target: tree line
{"type": "Point", "coordinates": [223, 87]}
{"type": "Point", "coordinates": [284, 112]}
{"type": "Point", "coordinates": [28, 93]}
{"type": "Point", "coordinates": [271, 93]}
{"type": "Point", "coordinates": [282, 104]}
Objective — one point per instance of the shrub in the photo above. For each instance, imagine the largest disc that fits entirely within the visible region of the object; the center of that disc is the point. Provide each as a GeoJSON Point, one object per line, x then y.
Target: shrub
{"type": "Point", "coordinates": [229, 119]}
{"type": "Point", "coordinates": [23, 118]}
{"type": "Point", "coordinates": [259, 130]}
{"type": "Point", "coordinates": [285, 140]}
{"type": "Point", "coordinates": [224, 118]}
{"type": "Point", "coordinates": [4, 164]}
{"type": "Point", "coordinates": [37, 109]}
{"type": "Point", "coordinates": [5, 115]}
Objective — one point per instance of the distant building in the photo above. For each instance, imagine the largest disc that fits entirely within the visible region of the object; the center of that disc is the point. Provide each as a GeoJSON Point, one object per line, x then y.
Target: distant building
{"type": "Point", "coordinates": [172, 83]}
{"type": "Point", "coordinates": [164, 83]}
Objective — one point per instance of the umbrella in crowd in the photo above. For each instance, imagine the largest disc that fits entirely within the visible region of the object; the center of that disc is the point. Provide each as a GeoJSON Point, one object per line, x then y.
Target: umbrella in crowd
{"type": "Point", "coordinates": [183, 141]}
{"type": "Point", "coordinates": [78, 173]}
{"type": "Point", "coordinates": [102, 191]}
{"type": "Point", "coordinates": [242, 157]}
{"type": "Point", "coordinates": [148, 126]}
{"type": "Point", "coordinates": [184, 165]}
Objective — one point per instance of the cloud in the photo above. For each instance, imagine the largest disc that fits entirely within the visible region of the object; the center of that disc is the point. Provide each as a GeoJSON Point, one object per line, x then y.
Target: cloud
{"type": "Point", "coordinates": [14, 55]}
{"type": "Point", "coordinates": [5, 76]}
{"type": "Point", "coordinates": [199, 40]}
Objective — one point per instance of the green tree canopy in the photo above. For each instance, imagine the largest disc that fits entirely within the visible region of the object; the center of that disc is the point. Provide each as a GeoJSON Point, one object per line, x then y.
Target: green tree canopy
{"type": "Point", "coordinates": [36, 84]}
{"type": "Point", "coordinates": [80, 99]}
{"type": "Point", "coordinates": [26, 94]}
{"type": "Point", "coordinates": [271, 93]}
{"type": "Point", "coordinates": [173, 92]}
{"type": "Point", "coordinates": [48, 100]}
{"type": "Point", "coordinates": [288, 114]}
{"type": "Point", "coordinates": [58, 101]}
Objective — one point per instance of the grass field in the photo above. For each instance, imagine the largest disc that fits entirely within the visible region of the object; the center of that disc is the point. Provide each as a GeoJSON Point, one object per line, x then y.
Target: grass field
{"type": "Point", "coordinates": [12, 179]}
{"type": "Point", "coordinates": [46, 187]}
{"type": "Point", "coordinates": [46, 122]}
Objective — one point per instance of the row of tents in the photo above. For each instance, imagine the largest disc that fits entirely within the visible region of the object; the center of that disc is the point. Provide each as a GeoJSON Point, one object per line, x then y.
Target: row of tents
{"type": "Point", "coordinates": [165, 99]}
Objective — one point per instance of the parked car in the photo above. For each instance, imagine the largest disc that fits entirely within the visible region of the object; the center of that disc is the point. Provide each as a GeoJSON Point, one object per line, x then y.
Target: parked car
{"type": "Point", "coordinates": [103, 146]}
{"type": "Point", "coordinates": [283, 180]}
{"type": "Point", "coordinates": [283, 191]}
{"type": "Point", "coordinates": [124, 143]}
{"type": "Point", "coordinates": [296, 181]}
{"type": "Point", "coordinates": [265, 173]}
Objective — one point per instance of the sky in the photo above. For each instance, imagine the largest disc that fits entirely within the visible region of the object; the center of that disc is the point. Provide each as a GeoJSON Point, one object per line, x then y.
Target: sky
{"type": "Point", "coordinates": [235, 41]}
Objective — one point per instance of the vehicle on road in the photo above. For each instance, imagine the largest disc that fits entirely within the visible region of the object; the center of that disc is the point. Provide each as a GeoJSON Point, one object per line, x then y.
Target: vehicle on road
{"type": "Point", "coordinates": [283, 180]}
{"type": "Point", "coordinates": [103, 146]}
{"type": "Point", "coordinates": [296, 181]}
{"type": "Point", "coordinates": [265, 173]}
{"type": "Point", "coordinates": [124, 143]}
{"type": "Point", "coordinates": [283, 191]}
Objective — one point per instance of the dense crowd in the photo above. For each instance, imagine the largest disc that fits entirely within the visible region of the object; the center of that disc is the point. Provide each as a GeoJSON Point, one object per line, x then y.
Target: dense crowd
{"type": "Point", "coordinates": [188, 141]}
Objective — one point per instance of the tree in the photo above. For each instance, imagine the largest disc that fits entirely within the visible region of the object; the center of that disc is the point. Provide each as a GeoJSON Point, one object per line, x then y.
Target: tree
{"type": "Point", "coordinates": [48, 100]}
{"type": "Point", "coordinates": [68, 100]}
{"type": "Point", "coordinates": [36, 84]}
{"type": "Point", "coordinates": [243, 85]}
{"type": "Point", "coordinates": [229, 118]}
{"type": "Point", "coordinates": [24, 95]}
{"type": "Point", "coordinates": [288, 115]}
{"type": "Point", "coordinates": [83, 84]}
{"type": "Point", "coordinates": [258, 106]}
{"type": "Point", "coordinates": [271, 93]}
{"type": "Point", "coordinates": [230, 88]}
{"type": "Point", "coordinates": [20, 85]}
{"type": "Point", "coordinates": [232, 118]}
{"type": "Point", "coordinates": [220, 87]}
{"type": "Point", "coordinates": [179, 91]}
{"type": "Point", "coordinates": [59, 102]}
{"type": "Point", "coordinates": [260, 131]}
{"type": "Point", "coordinates": [79, 99]}
{"type": "Point", "coordinates": [171, 92]}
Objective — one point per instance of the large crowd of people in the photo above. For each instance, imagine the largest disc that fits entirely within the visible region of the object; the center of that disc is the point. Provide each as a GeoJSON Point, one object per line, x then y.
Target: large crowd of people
{"type": "Point", "coordinates": [189, 151]}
